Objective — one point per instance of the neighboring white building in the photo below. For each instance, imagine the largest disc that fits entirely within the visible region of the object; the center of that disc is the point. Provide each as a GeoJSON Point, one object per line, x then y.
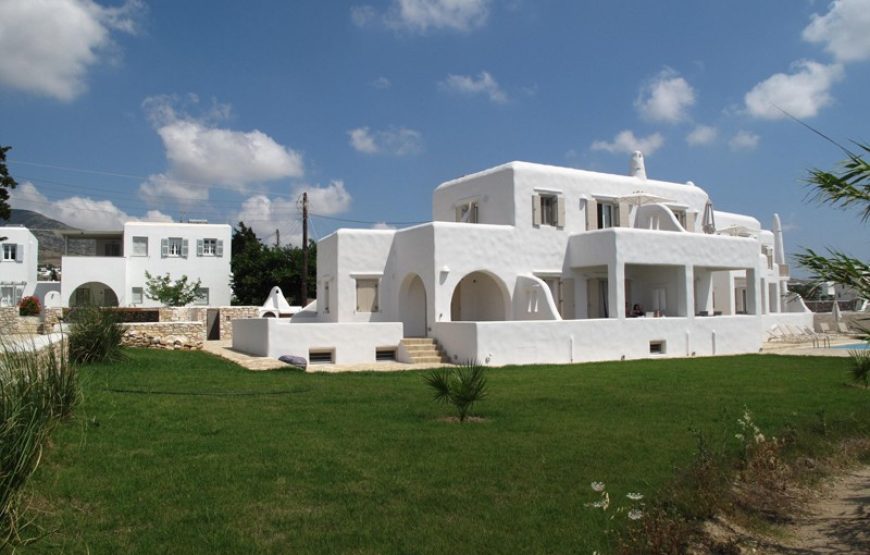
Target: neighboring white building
{"type": "Point", "coordinates": [18, 259]}
{"type": "Point", "coordinates": [527, 263]}
{"type": "Point", "coordinates": [108, 268]}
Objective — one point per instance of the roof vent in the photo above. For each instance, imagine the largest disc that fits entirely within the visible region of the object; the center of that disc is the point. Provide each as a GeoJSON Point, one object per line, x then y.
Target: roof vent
{"type": "Point", "coordinates": [636, 167]}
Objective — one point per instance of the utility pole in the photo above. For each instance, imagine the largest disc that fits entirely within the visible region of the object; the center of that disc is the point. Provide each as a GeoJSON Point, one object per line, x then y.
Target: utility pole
{"type": "Point", "coordinates": [277, 237]}
{"type": "Point", "coordinates": [303, 288]}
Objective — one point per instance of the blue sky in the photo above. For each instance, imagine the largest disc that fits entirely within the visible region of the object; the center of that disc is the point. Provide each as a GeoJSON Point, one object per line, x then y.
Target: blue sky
{"type": "Point", "coordinates": [228, 110]}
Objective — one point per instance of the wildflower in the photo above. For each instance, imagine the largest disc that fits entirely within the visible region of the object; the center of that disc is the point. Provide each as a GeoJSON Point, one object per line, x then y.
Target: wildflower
{"type": "Point", "coordinates": [634, 496]}
{"type": "Point", "coordinates": [597, 486]}
{"type": "Point", "coordinates": [635, 514]}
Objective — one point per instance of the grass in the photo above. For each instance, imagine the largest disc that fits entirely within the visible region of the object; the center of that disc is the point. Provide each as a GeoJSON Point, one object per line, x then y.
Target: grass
{"type": "Point", "coordinates": [364, 463]}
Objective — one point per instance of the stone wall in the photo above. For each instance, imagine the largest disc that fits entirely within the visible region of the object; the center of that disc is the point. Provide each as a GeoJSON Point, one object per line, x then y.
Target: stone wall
{"type": "Point", "coordinates": [164, 335]}
{"type": "Point", "coordinates": [50, 318]}
{"type": "Point", "coordinates": [200, 314]}
{"type": "Point", "coordinates": [11, 323]}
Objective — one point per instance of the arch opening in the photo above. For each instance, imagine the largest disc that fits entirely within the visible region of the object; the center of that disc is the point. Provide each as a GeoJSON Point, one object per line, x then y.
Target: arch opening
{"type": "Point", "coordinates": [479, 297]}
{"type": "Point", "coordinates": [93, 293]}
{"type": "Point", "coordinates": [413, 307]}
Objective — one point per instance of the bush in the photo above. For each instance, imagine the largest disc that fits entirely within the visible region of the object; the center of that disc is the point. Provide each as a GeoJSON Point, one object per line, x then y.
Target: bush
{"type": "Point", "coordinates": [861, 366]}
{"type": "Point", "coordinates": [29, 306]}
{"type": "Point", "coordinates": [37, 389]}
{"type": "Point", "coordinates": [461, 387]}
{"type": "Point", "coordinates": [94, 336]}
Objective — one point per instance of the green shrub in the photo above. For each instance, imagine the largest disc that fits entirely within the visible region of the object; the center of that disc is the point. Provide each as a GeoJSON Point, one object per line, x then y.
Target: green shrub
{"type": "Point", "coordinates": [29, 306]}
{"type": "Point", "coordinates": [861, 367]}
{"type": "Point", "coordinates": [37, 389]}
{"type": "Point", "coordinates": [94, 336]}
{"type": "Point", "coordinates": [461, 387]}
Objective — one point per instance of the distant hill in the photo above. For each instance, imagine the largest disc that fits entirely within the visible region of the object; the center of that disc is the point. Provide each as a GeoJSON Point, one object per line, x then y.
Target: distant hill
{"type": "Point", "coordinates": [47, 231]}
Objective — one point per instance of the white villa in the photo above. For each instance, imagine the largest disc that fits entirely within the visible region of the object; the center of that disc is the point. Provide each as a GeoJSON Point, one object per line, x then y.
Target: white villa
{"type": "Point", "coordinates": [18, 254]}
{"type": "Point", "coordinates": [108, 268]}
{"type": "Point", "coordinates": [527, 263]}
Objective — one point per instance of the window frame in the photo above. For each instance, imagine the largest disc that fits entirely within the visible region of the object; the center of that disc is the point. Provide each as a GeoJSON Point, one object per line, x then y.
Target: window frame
{"type": "Point", "coordinates": [139, 240]}
{"type": "Point", "coordinates": [375, 304]}
{"type": "Point", "coordinates": [140, 291]}
{"type": "Point", "coordinates": [612, 209]}
{"type": "Point", "coordinates": [10, 252]}
{"type": "Point", "coordinates": [175, 247]}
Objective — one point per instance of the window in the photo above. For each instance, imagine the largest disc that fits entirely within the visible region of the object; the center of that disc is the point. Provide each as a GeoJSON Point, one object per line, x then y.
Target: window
{"type": "Point", "coordinates": [548, 209]}
{"type": "Point", "coordinates": [10, 294]}
{"type": "Point", "coordinates": [140, 246]}
{"type": "Point", "coordinates": [209, 247]}
{"type": "Point", "coordinates": [137, 297]}
{"type": "Point", "coordinates": [173, 247]}
{"type": "Point", "coordinates": [112, 249]}
{"type": "Point", "coordinates": [367, 295]}
{"type": "Point", "coordinates": [10, 252]}
{"type": "Point", "coordinates": [467, 212]}
{"type": "Point", "coordinates": [681, 217]}
{"type": "Point", "coordinates": [608, 214]}
{"type": "Point", "coordinates": [202, 299]}
{"type": "Point", "coordinates": [321, 356]}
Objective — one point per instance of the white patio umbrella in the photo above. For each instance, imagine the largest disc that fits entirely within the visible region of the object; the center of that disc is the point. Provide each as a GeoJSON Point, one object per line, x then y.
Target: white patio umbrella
{"type": "Point", "coordinates": [709, 219]}
{"type": "Point", "coordinates": [835, 314]}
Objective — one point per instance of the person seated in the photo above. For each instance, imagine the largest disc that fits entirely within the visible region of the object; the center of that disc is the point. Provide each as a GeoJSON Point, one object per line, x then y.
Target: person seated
{"type": "Point", "coordinates": [636, 311]}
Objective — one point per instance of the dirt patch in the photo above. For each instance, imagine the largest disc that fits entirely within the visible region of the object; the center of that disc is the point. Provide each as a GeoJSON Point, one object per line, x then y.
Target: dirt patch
{"type": "Point", "coordinates": [834, 518]}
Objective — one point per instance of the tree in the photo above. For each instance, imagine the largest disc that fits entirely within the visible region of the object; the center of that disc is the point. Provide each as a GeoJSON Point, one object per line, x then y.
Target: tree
{"type": "Point", "coordinates": [847, 188]}
{"type": "Point", "coordinates": [257, 268]}
{"type": "Point", "coordinates": [6, 182]}
{"type": "Point", "coordinates": [171, 292]}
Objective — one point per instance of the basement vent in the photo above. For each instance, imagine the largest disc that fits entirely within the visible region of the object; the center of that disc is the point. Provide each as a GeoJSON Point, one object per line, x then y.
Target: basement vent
{"type": "Point", "coordinates": [657, 347]}
{"type": "Point", "coordinates": [385, 353]}
{"type": "Point", "coordinates": [321, 356]}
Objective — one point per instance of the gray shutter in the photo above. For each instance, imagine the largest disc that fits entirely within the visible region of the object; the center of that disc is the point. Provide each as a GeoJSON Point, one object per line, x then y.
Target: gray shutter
{"type": "Point", "coordinates": [184, 248]}
{"type": "Point", "coordinates": [164, 248]}
{"type": "Point", "coordinates": [622, 218]}
{"type": "Point", "coordinates": [560, 211]}
{"type": "Point", "coordinates": [199, 247]}
{"type": "Point", "coordinates": [458, 212]}
{"type": "Point", "coordinates": [219, 249]}
{"type": "Point", "coordinates": [475, 213]}
{"type": "Point", "coordinates": [536, 209]}
{"type": "Point", "coordinates": [19, 253]}
{"type": "Point", "coordinates": [591, 214]}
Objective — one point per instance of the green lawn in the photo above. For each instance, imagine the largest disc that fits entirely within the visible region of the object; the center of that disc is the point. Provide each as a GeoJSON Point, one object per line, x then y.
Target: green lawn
{"type": "Point", "coordinates": [363, 462]}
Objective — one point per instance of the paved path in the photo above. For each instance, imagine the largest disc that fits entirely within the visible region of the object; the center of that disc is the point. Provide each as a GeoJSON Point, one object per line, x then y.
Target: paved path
{"type": "Point", "coordinates": [224, 349]}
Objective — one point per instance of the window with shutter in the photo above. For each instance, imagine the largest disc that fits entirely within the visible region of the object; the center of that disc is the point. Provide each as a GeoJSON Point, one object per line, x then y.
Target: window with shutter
{"type": "Point", "coordinates": [164, 248]}
{"type": "Point", "coordinates": [140, 246]}
{"type": "Point", "coordinates": [199, 250]}
{"type": "Point", "coordinates": [9, 251]}
{"type": "Point", "coordinates": [184, 248]}
{"type": "Point", "coordinates": [549, 210]}
{"type": "Point", "coordinates": [536, 209]}
{"type": "Point", "coordinates": [367, 295]}
{"type": "Point", "coordinates": [219, 248]}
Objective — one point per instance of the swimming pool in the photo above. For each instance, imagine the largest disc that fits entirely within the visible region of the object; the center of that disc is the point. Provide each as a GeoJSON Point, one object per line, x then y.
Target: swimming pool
{"type": "Point", "coordinates": [854, 347]}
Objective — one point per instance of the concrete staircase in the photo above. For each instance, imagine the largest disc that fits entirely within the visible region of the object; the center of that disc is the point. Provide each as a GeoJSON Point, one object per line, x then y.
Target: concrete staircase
{"type": "Point", "coordinates": [421, 350]}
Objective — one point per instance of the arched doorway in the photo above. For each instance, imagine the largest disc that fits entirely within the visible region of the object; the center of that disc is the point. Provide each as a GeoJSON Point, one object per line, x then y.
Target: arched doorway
{"type": "Point", "coordinates": [412, 306]}
{"type": "Point", "coordinates": [93, 293]}
{"type": "Point", "coordinates": [479, 297]}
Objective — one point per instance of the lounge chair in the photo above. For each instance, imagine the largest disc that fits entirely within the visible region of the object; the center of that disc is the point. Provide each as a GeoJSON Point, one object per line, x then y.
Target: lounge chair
{"type": "Point", "coordinates": [843, 327]}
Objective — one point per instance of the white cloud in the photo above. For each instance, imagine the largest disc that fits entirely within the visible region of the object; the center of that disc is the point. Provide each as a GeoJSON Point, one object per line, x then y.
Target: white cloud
{"type": "Point", "coordinates": [81, 212]}
{"type": "Point", "coordinates": [381, 83]}
{"type": "Point", "coordinates": [802, 93]}
{"type": "Point", "coordinates": [399, 141]}
{"type": "Point", "coordinates": [665, 98]}
{"type": "Point", "coordinates": [201, 154]}
{"type": "Point", "coordinates": [382, 225]}
{"type": "Point", "coordinates": [845, 30]}
{"type": "Point", "coordinates": [265, 215]}
{"type": "Point", "coordinates": [625, 142]}
{"type": "Point", "coordinates": [48, 47]}
{"type": "Point", "coordinates": [363, 15]}
{"type": "Point", "coordinates": [744, 140]}
{"type": "Point", "coordinates": [702, 135]}
{"type": "Point", "coordinates": [422, 15]}
{"type": "Point", "coordinates": [466, 84]}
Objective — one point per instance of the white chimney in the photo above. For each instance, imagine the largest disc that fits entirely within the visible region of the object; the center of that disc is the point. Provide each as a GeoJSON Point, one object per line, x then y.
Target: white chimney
{"type": "Point", "coordinates": [636, 167]}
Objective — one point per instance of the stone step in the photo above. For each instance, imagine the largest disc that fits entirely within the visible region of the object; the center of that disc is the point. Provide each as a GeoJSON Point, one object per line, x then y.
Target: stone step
{"type": "Point", "coordinates": [423, 350]}
{"type": "Point", "coordinates": [418, 341]}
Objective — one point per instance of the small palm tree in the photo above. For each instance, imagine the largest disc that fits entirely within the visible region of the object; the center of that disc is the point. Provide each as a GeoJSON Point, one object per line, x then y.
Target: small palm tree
{"type": "Point", "coordinates": [461, 387]}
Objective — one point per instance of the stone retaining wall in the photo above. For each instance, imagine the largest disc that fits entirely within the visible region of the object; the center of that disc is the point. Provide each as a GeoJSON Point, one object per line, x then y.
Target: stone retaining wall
{"type": "Point", "coordinates": [164, 335]}
{"type": "Point", "coordinates": [200, 314]}
{"type": "Point", "coordinates": [11, 323]}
